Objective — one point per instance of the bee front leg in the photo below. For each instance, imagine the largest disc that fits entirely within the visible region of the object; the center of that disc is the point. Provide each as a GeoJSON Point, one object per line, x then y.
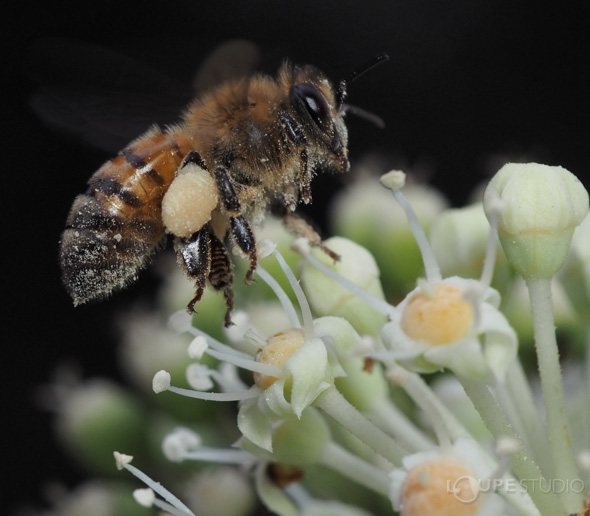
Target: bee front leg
{"type": "Point", "coordinates": [240, 229]}
{"type": "Point", "coordinates": [295, 133]}
{"type": "Point", "coordinates": [299, 227]}
{"type": "Point", "coordinates": [194, 255]}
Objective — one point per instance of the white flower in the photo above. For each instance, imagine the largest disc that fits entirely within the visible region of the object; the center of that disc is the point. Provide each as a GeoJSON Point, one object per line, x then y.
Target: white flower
{"type": "Point", "coordinates": [448, 482]}
{"type": "Point", "coordinates": [449, 324]}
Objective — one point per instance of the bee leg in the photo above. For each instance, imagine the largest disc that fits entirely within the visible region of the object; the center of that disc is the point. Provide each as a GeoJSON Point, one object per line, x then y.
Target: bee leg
{"type": "Point", "coordinates": [299, 227]}
{"type": "Point", "coordinates": [194, 254]}
{"type": "Point", "coordinates": [221, 274]}
{"type": "Point", "coordinates": [193, 157]}
{"type": "Point", "coordinates": [228, 195]}
{"type": "Point", "coordinates": [240, 229]}
{"type": "Point", "coordinates": [295, 133]}
{"type": "Point", "coordinates": [244, 237]}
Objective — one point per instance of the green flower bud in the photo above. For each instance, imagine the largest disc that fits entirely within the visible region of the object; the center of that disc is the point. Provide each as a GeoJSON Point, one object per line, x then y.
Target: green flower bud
{"type": "Point", "coordinates": [298, 442]}
{"type": "Point", "coordinates": [98, 417]}
{"type": "Point", "coordinates": [459, 239]}
{"type": "Point", "coordinates": [575, 275]}
{"type": "Point", "coordinates": [542, 207]}
{"type": "Point", "coordinates": [97, 498]}
{"type": "Point", "coordinates": [327, 297]}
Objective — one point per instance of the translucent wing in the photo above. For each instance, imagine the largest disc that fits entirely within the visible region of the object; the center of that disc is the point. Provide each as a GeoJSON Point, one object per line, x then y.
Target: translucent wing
{"type": "Point", "coordinates": [233, 59]}
{"type": "Point", "coordinates": [107, 99]}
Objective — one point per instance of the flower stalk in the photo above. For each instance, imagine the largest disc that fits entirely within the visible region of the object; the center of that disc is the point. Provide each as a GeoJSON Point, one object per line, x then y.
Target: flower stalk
{"type": "Point", "coordinates": [552, 387]}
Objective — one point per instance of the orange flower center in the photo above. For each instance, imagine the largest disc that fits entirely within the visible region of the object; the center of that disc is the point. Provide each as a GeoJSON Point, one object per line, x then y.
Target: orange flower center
{"type": "Point", "coordinates": [438, 319]}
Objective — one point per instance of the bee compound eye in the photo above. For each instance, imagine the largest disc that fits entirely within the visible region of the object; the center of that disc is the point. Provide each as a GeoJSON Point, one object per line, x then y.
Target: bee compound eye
{"type": "Point", "coordinates": [313, 101]}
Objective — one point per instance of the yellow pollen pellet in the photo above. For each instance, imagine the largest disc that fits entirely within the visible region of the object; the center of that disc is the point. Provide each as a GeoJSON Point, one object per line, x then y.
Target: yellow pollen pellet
{"type": "Point", "coordinates": [277, 350]}
{"type": "Point", "coordinates": [440, 487]}
{"type": "Point", "coordinates": [189, 201]}
{"type": "Point", "coordinates": [438, 319]}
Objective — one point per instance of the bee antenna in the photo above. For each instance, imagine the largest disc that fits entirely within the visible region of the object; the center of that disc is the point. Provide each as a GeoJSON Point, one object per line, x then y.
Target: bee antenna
{"type": "Point", "coordinates": [361, 70]}
{"type": "Point", "coordinates": [362, 113]}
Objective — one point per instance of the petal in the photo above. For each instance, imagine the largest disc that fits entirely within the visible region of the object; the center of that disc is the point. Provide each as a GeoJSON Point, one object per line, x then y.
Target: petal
{"type": "Point", "coordinates": [255, 425]}
{"type": "Point", "coordinates": [464, 357]}
{"type": "Point", "coordinates": [309, 368]}
{"type": "Point", "coordinates": [500, 342]}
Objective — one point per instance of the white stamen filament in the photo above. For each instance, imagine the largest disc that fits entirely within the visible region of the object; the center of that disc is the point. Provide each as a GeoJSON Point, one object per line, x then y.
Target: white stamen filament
{"type": "Point", "coordinates": [249, 364]}
{"type": "Point", "coordinates": [215, 344]}
{"type": "Point", "coordinates": [253, 392]}
{"type": "Point", "coordinates": [220, 456]}
{"type": "Point", "coordinates": [299, 294]}
{"type": "Point", "coordinates": [282, 296]}
{"type": "Point", "coordinates": [495, 208]}
{"type": "Point", "coordinates": [431, 268]}
{"type": "Point", "coordinates": [178, 508]}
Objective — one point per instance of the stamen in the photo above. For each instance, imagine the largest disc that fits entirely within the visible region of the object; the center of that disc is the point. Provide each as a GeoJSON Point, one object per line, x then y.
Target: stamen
{"type": "Point", "coordinates": [299, 294]}
{"type": "Point", "coordinates": [198, 377]}
{"type": "Point", "coordinates": [394, 181]}
{"type": "Point", "coordinates": [281, 295]}
{"type": "Point", "coordinates": [249, 364]}
{"type": "Point", "coordinates": [178, 508]}
{"type": "Point", "coordinates": [494, 210]}
{"type": "Point", "coordinates": [184, 444]}
{"type": "Point", "coordinates": [217, 396]}
{"type": "Point", "coordinates": [161, 383]}
{"type": "Point", "coordinates": [197, 347]}
{"type": "Point", "coordinates": [181, 322]}
{"type": "Point", "coordinates": [221, 456]}
{"type": "Point", "coordinates": [144, 497]}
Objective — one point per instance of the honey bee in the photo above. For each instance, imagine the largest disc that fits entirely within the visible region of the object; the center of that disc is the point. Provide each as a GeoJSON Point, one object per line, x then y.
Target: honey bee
{"type": "Point", "coordinates": [246, 147]}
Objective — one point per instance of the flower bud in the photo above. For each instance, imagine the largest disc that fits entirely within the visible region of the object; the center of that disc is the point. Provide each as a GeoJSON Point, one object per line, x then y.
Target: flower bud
{"type": "Point", "coordinates": [575, 275]}
{"type": "Point", "coordinates": [543, 205]}
{"type": "Point", "coordinates": [98, 417]}
{"type": "Point", "coordinates": [299, 442]}
{"type": "Point", "coordinates": [327, 297]}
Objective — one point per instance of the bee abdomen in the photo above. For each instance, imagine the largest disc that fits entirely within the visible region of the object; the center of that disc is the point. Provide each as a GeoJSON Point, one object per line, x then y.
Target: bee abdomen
{"type": "Point", "coordinates": [101, 252]}
{"type": "Point", "coordinates": [114, 228]}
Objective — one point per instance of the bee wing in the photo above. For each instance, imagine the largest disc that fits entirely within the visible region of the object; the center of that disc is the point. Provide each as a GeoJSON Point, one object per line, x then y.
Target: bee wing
{"type": "Point", "coordinates": [234, 59]}
{"type": "Point", "coordinates": [106, 98]}
{"type": "Point", "coordinates": [100, 96]}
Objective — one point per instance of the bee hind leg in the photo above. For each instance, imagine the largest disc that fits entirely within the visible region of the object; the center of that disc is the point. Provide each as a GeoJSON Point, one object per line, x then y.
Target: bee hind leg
{"type": "Point", "coordinates": [221, 275]}
{"type": "Point", "coordinates": [204, 257]}
{"type": "Point", "coordinates": [194, 255]}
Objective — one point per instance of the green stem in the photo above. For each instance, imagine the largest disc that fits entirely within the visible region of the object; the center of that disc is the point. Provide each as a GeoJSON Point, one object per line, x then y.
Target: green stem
{"type": "Point", "coordinates": [390, 418]}
{"type": "Point", "coordinates": [586, 394]}
{"type": "Point", "coordinates": [552, 388]}
{"type": "Point", "coordinates": [520, 392]}
{"type": "Point", "coordinates": [337, 407]}
{"type": "Point", "coordinates": [443, 418]}
{"type": "Point", "coordinates": [524, 468]}
{"type": "Point", "coordinates": [355, 468]}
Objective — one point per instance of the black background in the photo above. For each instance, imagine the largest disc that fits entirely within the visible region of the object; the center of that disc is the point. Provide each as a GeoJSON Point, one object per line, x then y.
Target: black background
{"type": "Point", "coordinates": [468, 81]}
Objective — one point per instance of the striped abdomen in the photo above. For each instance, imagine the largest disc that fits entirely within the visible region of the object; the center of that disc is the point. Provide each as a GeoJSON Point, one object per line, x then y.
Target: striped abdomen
{"type": "Point", "coordinates": [115, 226]}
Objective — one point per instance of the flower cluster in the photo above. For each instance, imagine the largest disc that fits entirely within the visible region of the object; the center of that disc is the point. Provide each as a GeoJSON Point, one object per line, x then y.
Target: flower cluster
{"type": "Point", "coordinates": [341, 390]}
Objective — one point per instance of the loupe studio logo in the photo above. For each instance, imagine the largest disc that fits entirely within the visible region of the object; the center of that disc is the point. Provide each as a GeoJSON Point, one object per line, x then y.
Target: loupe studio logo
{"type": "Point", "coordinates": [467, 489]}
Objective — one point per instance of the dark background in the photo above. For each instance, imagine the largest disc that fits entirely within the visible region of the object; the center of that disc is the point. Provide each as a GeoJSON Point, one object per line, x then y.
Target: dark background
{"type": "Point", "coordinates": [468, 81]}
